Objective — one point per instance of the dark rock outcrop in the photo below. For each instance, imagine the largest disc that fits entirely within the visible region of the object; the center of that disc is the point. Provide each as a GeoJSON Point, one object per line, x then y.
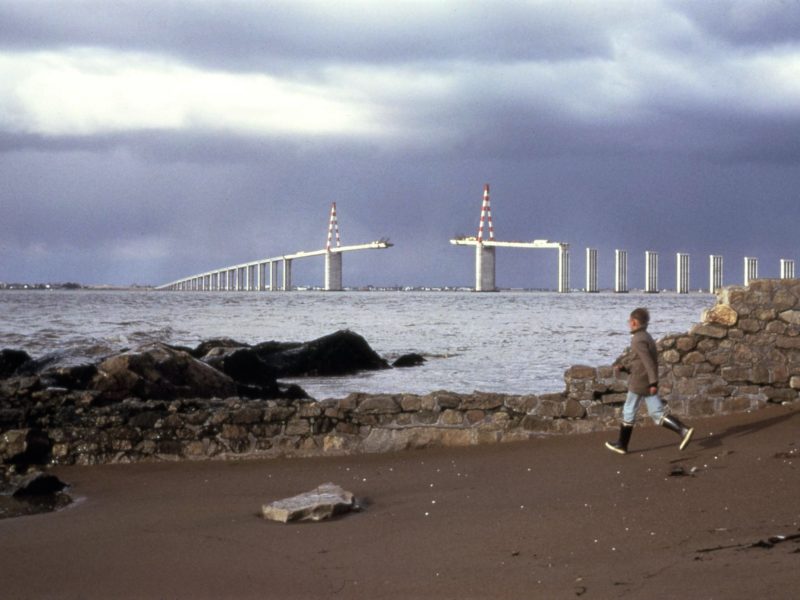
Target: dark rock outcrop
{"type": "Point", "coordinates": [243, 365]}
{"type": "Point", "coordinates": [11, 360]}
{"type": "Point", "coordinates": [25, 447]}
{"type": "Point", "coordinates": [339, 353]}
{"type": "Point", "coordinates": [409, 360]}
{"type": "Point", "coordinates": [159, 371]}
{"type": "Point", "coordinates": [37, 483]}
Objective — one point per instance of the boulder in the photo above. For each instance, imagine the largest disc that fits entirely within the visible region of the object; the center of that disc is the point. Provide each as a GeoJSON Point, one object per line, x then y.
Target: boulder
{"type": "Point", "coordinates": [207, 346]}
{"type": "Point", "coordinates": [321, 503]}
{"type": "Point", "coordinates": [75, 377]}
{"type": "Point", "coordinates": [24, 447]}
{"type": "Point", "coordinates": [37, 483]}
{"type": "Point", "coordinates": [11, 360]}
{"type": "Point", "coordinates": [409, 360]}
{"type": "Point", "coordinates": [340, 353]}
{"type": "Point", "coordinates": [721, 314]}
{"type": "Point", "coordinates": [159, 372]}
{"type": "Point", "coordinates": [243, 365]}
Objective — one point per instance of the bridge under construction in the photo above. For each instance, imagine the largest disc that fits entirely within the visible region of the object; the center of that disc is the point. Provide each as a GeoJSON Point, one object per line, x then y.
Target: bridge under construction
{"type": "Point", "coordinates": [485, 251]}
{"type": "Point", "coordinates": [263, 274]}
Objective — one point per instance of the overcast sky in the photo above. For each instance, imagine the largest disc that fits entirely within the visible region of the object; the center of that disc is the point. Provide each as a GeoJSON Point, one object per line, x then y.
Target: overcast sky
{"type": "Point", "coordinates": [142, 141]}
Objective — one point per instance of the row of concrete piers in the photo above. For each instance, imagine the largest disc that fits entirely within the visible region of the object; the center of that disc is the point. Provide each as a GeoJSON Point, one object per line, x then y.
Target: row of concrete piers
{"type": "Point", "coordinates": [682, 264]}
{"type": "Point", "coordinates": [274, 274]}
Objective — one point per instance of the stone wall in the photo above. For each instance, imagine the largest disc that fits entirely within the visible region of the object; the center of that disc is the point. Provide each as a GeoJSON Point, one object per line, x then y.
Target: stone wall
{"type": "Point", "coordinates": [744, 354]}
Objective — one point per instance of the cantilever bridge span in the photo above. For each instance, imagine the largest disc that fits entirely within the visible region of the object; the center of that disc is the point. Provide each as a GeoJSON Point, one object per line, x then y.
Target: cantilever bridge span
{"type": "Point", "coordinates": [485, 251]}
{"type": "Point", "coordinates": [262, 274]}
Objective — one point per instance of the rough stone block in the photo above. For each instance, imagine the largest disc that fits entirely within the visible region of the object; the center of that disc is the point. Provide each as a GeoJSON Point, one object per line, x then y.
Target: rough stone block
{"type": "Point", "coordinates": [693, 358]}
{"type": "Point", "coordinates": [482, 401]}
{"type": "Point", "coordinates": [709, 330]}
{"type": "Point", "coordinates": [409, 403]}
{"type": "Point", "coordinates": [605, 372]}
{"type": "Point", "coordinates": [778, 395]}
{"type": "Point", "coordinates": [548, 408]}
{"type": "Point", "coordinates": [452, 417]}
{"type": "Point", "coordinates": [686, 343]}
{"type": "Point", "coordinates": [735, 404]}
{"type": "Point", "coordinates": [784, 299]}
{"type": "Point", "coordinates": [794, 382]}
{"type": "Point", "coordinates": [671, 356]}
{"type": "Point", "coordinates": [535, 423]}
{"type": "Point", "coordinates": [475, 416]}
{"type": "Point", "coordinates": [765, 314]}
{"type": "Point", "coordinates": [750, 325]}
{"type": "Point", "coordinates": [573, 410]}
{"type": "Point", "coordinates": [721, 314]}
{"type": "Point", "coordinates": [309, 409]}
{"type": "Point", "coordinates": [338, 444]}
{"type": "Point", "coordinates": [324, 502]}
{"type": "Point", "coordinates": [278, 413]}
{"type": "Point", "coordinates": [347, 428]}
{"type": "Point", "coordinates": [578, 372]}
{"type": "Point", "coordinates": [790, 316]}
{"type": "Point", "coordinates": [298, 427]}
{"type": "Point", "coordinates": [736, 374]}
{"type": "Point", "coordinates": [401, 420]}
{"type": "Point", "coordinates": [247, 416]}
{"type": "Point", "coordinates": [778, 373]}
{"type": "Point", "coordinates": [521, 404]}
{"type": "Point", "coordinates": [788, 343]}
{"type": "Point", "coordinates": [233, 432]}
{"type": "Point", "coordinates": [426, 417]}
{"type": "Point", "coordinates": [446, 399]}
{"type": "Point", "coordinates": [777, 327]}
{"type": "Point", "coordinates": [378, 405]}
{"type": "Point", "coordinates": [501, 420]}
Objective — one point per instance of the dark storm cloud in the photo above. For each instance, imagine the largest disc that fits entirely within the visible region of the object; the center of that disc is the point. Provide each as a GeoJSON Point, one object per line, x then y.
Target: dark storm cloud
{"type": "Point", "coordinates": [612, 125]}
{"type": "Point", "coordinates": [255, 35]}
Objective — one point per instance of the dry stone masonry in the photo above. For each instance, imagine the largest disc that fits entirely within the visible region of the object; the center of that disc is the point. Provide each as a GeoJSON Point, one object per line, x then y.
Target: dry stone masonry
{"type": "Point", "coordinates": [743, 354]}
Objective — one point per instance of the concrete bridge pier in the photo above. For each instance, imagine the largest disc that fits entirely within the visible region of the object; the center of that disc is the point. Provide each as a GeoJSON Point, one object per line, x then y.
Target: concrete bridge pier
{"type": "Point", "coordinates": [333, 271]}
{"type": "Point", "coordinates": [750, 269]}
{"type": "Point", "coordinates": [563, 268]}
{"type": "Point", "coordinates": [621, 271]}
{"type": "Point", "coordinates": [484, 269]}
{"type": "Point", "coordinates": [787, 268]}
{"type": "Point", "coordinates": [287, 274]}
{"type": "Point", "coordinates": [682, 282]}
{"type": "Point", "coordinates": [273, 276]}
{"type": "Point", "coordinates": [714, 273]}
{"type": "Point", "coordinates": [651, 272]}
{"type": "Point", "coordinates": [591, 270]}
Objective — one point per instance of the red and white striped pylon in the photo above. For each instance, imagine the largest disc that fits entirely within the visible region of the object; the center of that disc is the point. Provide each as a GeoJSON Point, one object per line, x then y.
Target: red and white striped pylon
{"type": "Point", "coordinates": [333, 224]}
{"type": "Point", "coordinates": [486, 215]}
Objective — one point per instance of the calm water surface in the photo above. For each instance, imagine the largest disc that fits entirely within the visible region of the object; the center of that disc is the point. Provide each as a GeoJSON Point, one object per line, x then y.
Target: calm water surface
{"type": "Point", "coordinates": [512, 342]}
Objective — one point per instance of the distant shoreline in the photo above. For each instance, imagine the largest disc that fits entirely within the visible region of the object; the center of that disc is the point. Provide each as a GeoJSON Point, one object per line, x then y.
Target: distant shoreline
{"type": "Point", "coordinates": [51, 287]}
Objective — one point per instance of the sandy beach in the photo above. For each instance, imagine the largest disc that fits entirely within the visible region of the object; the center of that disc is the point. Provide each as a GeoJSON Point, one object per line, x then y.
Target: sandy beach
{"type": "Point", "coordinates": [559, 517]}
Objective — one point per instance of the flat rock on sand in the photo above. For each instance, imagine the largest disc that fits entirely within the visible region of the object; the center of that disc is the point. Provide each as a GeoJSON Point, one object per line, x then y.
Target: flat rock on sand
{"type": "Point", "coordinates": [321, 503]}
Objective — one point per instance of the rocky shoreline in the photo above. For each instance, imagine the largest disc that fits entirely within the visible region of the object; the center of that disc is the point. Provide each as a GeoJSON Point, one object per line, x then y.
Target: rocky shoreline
{"type": "Point", "coordinates": [223, 399]}
{"type": "Point", "coordinates": [151, 402]}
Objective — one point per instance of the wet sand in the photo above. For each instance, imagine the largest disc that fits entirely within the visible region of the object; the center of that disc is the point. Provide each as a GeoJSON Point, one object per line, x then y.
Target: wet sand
{"type": "Point", "coordinates": [559, 517]}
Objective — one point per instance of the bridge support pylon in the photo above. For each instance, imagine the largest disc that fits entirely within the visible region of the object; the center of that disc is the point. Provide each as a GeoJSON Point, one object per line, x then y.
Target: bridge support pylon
{"type": "Point", "coordinates": [333, 272]}
{"type": "Point", "coordinates": [485, 269]}
{"type": "Point", "coordinates": [287, 275]}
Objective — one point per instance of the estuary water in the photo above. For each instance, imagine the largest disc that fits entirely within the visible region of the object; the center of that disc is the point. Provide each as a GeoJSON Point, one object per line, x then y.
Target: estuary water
{"type": "Point", "coordinates": [510, 342]}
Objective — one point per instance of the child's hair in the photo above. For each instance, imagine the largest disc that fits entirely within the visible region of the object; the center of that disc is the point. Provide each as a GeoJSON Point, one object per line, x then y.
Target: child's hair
{"type": "Point", "coordinates": [642, 315]}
